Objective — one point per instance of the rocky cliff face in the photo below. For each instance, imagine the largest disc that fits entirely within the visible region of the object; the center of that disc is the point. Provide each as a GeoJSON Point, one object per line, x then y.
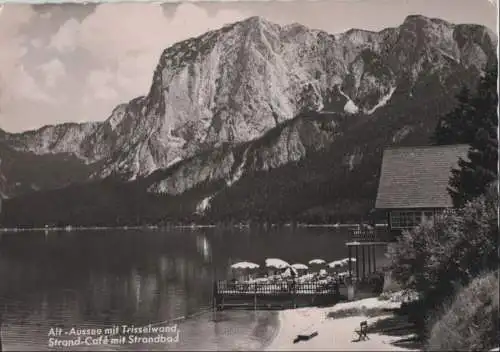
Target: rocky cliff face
{"type": "Point", "coordinates": [221, 105]}
{"type": "Point", "coordinates": [63, 138]}
{"type": "Point", "coordinates": [289, 142]}
{"type": "Point", "coordinates": [354, 73]}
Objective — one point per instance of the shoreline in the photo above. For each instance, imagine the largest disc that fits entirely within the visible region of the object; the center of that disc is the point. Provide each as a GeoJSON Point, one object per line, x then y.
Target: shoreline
{"type": "Point", "coordinates": [276, 325]}
{"type": "Point", "coordinates": [334, 333]}
{"type": "Point", "coordinates": [155, 227]}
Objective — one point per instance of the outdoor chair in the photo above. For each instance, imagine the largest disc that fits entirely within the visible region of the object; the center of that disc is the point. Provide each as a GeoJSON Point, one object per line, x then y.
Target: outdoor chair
{"type": "Point", "coordinates": [362, 332]}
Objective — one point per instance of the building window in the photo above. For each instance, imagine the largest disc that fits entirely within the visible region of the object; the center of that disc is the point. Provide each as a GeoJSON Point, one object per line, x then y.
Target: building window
{"type": "Point", "coordinates": [428, 215]}
{"type": "Point", "coordinates": [409, 218]}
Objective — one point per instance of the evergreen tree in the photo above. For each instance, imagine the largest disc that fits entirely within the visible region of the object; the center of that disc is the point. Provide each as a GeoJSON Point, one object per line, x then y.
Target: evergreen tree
{"type": "Point", "coordinates": [457, 126]}
{"type": "Point", "coordinates": [475, 125]}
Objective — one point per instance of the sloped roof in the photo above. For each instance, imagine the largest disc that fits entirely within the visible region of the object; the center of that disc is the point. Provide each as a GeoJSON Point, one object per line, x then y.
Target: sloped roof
{"type": "Point", "coordinates": [417, 177]}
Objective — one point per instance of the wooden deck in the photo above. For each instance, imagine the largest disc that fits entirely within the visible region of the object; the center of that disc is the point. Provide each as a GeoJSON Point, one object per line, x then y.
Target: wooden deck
{"type": "Point", "coordinates": [363, 242]}
{"type": "Point", "coordinates": [377, 235]}
{"type": "Point", "coordinates": [228, 295]}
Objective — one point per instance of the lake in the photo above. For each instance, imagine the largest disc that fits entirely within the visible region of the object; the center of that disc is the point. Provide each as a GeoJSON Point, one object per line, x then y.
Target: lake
{"type": "Point", "coordinates": [108, 279]}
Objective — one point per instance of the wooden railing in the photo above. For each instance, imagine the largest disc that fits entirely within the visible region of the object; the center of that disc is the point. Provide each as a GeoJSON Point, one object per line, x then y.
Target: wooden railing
{"type": "Point", "coordinates": [279, 288]}
{"type": "Point", "coordinates": [377, 234]}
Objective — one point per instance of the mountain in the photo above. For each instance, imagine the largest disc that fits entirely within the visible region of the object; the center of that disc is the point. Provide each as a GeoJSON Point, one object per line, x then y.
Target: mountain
{"type": "Point", "coordinates": [47, 158]}
{"type": "Point", "coordinates": [255, 117]}
{"type": "Point", "coordinates": [23, 172]}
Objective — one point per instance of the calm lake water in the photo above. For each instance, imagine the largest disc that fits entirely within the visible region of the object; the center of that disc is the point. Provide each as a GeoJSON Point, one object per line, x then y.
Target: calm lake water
{"type": "Point", "coordinates": [102, 279]}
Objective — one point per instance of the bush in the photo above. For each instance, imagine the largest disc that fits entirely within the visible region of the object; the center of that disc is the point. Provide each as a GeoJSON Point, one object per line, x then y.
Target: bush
{"type": "Point", "coordinates": [413, 310]}
{"type": "Point", "coordinates": [390, 285]}
{"type": "Point", "coordinates": [435, 259]}
{"type": "Point", "coordinates": [471, 321]}
{"type": "Point", "coordinates": [401, 296]}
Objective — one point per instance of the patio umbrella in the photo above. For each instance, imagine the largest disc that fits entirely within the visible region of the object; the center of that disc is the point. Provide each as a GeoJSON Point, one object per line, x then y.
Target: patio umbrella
{"type": "Point", "coordinates": [345, 261]}
{"type": "Point", "coordinates": [245, 267]}
{"type": "Point", "coordinates": [275, 263]}
{"type": "Point", "coordinates": [336, 264]}
{"type": "Point", "coordinates": [299, 266]}
{"type": "Point", "coordinates": [317, 262]}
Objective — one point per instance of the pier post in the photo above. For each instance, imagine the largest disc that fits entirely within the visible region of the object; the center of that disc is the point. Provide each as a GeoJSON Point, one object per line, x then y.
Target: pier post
{"type": "Point", "coordinates": [369, 259]}
{"type": "Point", "coordinates": [254, 296]}
{"type": "Point", "coordinates": [337, 291]}
{"type": "Point", "coordinates": [374, 259]}
{"type": "Point", "coordinates": [214, 296]}
{"type": "Point", "coordinates": [357, 262]}
{"type": "Point", "coordinates": [364, 264]}
{"type": "Point", "coordinates": [349, 253]}
{"type": "Point", "coordinates": [350, 289]}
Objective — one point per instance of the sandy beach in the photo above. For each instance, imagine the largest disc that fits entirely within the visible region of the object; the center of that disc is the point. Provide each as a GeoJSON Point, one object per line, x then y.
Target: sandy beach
{"type": "Point", "coordinates": [333, 333]}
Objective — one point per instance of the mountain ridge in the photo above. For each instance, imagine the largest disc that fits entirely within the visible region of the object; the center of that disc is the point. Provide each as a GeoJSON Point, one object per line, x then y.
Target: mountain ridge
{"type": "Point", "coordinates": [177, 134]}
{"type": "Point", "coordinates": [233, 106]}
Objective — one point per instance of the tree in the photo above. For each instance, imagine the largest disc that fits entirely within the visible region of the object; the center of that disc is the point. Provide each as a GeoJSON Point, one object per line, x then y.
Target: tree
{"type": "Point", "coordinates": [475, 174]}
{"type": "Point", "coordinates": [455, 127]}
{"type": "Point", "coordinates": [474, 122]}
{"type": "Point", "coordinates": [436, 258]}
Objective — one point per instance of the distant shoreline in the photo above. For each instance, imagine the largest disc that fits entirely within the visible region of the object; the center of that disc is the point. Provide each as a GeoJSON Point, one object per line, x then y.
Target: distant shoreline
{"type": "Point", "coordinates": [126, 228]}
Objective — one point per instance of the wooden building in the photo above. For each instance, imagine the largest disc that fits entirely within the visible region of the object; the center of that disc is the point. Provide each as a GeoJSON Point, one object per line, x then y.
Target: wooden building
{"type": "Point", "coordinates": [413, 187]}
{"type": "Point", "coordinates": [413, 184]}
